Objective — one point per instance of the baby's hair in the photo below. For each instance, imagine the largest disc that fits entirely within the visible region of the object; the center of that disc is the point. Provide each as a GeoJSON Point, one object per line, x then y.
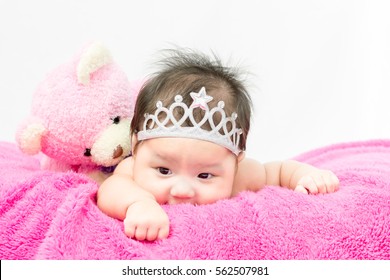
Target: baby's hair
{"type": "Point", "coordinates": [184, 71]}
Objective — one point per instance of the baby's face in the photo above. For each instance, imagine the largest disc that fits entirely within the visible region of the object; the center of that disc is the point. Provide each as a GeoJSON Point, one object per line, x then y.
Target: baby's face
{"type": "Point", "coordinates": [182, 170]}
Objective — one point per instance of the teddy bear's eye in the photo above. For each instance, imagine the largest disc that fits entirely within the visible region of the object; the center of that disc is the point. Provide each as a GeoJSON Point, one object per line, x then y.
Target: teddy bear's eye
{"type": "Point", "coordinates": [87, 152]}
{"type": "Point", "coordinates": [116, 120]}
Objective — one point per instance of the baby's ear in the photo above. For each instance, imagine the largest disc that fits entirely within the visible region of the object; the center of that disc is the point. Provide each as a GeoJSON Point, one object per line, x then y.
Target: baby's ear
{"type": "Point", "coordinates": [29, 137]}
{"type": "Point", "coordinates": [240, 156]}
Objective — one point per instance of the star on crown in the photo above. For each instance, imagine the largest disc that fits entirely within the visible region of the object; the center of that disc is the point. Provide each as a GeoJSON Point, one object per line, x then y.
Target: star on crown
{"type": "Point", "coordinates": [200, 99]}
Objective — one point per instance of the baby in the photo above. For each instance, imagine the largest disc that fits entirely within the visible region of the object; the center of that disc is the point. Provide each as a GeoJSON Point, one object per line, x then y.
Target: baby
{"type": "Point", "coordinates": [189, 132]}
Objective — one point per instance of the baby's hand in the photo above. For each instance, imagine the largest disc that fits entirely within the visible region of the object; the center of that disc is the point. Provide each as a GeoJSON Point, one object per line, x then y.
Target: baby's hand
{"type": "Point", "coordinates": [146, 220]}
{"type": "Point", "coordinates": [318, 181]}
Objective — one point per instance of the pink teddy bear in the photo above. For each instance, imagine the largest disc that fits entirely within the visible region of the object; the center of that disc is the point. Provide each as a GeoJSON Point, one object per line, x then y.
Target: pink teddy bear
{"type": "Point", "coordinates": [80, 115]}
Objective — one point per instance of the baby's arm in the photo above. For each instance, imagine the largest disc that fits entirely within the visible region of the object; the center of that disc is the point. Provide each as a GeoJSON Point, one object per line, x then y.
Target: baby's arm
{"type": "Point", "coordinates": [121, 198]}
{"type": "Point", "coordinates": [301, 177]}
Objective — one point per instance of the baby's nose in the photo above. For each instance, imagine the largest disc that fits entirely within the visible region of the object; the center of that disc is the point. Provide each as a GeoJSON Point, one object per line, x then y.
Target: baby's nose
{"type": "Point", "coordinates": [182, 189]}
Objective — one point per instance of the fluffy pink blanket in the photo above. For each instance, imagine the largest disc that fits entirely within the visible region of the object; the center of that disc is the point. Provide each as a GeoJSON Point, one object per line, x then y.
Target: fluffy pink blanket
{"type": "Point", "coordinates": [47, 215]}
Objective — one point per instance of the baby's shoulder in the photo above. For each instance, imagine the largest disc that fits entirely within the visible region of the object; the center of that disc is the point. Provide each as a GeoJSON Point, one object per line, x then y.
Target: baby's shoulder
{"type": "Point", "coordinates": [250, 176]}
{"type": "Point", "coordinates": [125, 166]}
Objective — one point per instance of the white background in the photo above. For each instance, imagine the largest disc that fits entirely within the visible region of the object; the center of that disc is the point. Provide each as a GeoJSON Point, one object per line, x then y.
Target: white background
{"type": "Point", "coordinates": [320, 69]}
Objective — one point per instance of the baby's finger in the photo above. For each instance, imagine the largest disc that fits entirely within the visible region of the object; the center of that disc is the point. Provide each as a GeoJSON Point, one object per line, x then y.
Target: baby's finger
{"type": "Point", "coordinates": [129, 229]}
{"type": "Point", "coordinates": [163, 232]}
{"type": "Point", "coordinates": [301, 189]}
{"type": "Point", "coordinates": [140, 233]}
{"type": "Point", "coordinates": [152, 234]}
{"type": "Point", "coordinates": [336, 181]}
{"type": "Point", "coordinates": [320, 183]}
{"type": "Point", "coordinates": [308, 183]}
{"type": "Point", "coordinates": [329, 183]}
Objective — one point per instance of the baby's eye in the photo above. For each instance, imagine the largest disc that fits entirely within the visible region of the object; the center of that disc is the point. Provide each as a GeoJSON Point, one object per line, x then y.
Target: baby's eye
{"type": "Point", "coordinates": [164, 171]}
{"type": "Point", "coordinates": [205, 176]}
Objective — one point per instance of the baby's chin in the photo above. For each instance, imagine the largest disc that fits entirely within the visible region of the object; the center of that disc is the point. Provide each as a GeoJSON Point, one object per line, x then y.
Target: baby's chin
{"type": "Point", "coordinates": [180, 201]}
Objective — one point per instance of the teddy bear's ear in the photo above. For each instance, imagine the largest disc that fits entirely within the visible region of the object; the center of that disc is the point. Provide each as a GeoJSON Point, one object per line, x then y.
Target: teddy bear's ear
{"type": "Point", "coordinates": [29, 137]}
{"type": "Point", "coordinates": [93, 58]}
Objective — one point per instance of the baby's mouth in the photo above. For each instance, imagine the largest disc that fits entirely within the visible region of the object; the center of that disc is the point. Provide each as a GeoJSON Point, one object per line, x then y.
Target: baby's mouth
{"type": "Point", "coordinates": [175, 201]}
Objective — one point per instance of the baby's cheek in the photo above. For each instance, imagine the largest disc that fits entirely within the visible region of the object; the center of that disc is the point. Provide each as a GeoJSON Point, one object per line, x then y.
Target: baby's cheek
{"type": "Point", "coordinates": [161, 198]}
{"type": "Point", "coordinates": [226, 188]}
{"type": "Point", "coordinates": [157, 189]}
{"type": "Point", "coordinates": [215, 195]}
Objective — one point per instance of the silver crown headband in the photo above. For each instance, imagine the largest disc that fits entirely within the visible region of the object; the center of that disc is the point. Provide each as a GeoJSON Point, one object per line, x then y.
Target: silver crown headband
{"type": "Point", "coordinates": [220, 133]}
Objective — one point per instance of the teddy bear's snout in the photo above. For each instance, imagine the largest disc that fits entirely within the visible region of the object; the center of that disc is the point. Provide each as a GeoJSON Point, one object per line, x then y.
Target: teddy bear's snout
{"type": "Point", "coordinates": [112, 145]}
{"type": "Point", "coordinates": [117, 152]}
